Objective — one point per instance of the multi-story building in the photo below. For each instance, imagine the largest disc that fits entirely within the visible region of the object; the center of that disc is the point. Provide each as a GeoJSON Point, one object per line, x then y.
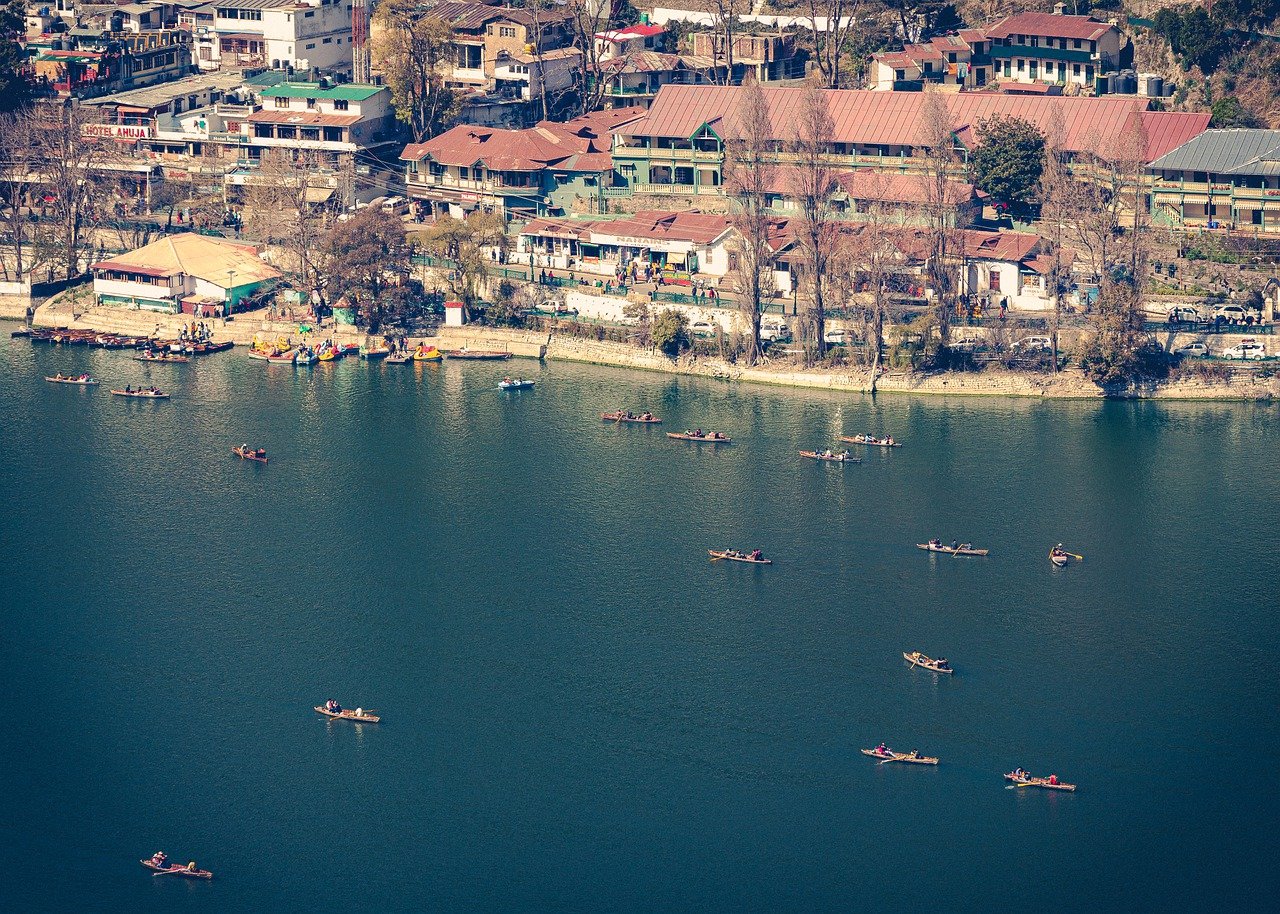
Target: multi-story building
{"type": "Point", "coordinates": [279, 34]}
{"type": "Point", "coordinates": [678, 146]}
{"type": "Point", "coordinates": [1227, 179]}
{"type": "Point", "coordinates": [549, 169]}
{"type": "Point", "coordinates": [1056, 48]}
{"type": "Point", "coordinates": [630, 39]}
{"type": "Point", "coordinates": [90, 65]}
{"type": "Point", "coordinates": [962, 59]}
{"type": "Point", "coordinates": [635, 78]}
{"type": "Point", "coordinates": [766, 56]}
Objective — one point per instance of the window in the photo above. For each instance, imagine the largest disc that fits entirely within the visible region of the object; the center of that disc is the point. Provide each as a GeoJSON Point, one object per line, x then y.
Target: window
{"type": "Point", "coordinates": [1048, 68]}
{"type": "Point", "coordinates": [282, 102]}
{"type": "Point", "coordinates": [309, 14]}
{"type": "Point", "coordinates": [993, 282]}
{"type": "Point", "coordinates": [340, 104]}
{"type": "Point", "coordinates": [1022, 66]}
{"type": "Point", "coordinates": [328, 41]}
{"type": "Point", "coordinates": [507, 31]}
{"type": "Point", "coordinates": [1075, 69]}
{"type": "Point", "coordinates": [311, 103]}
{"type": "Point", "coordinates": [1076, 44]}
{"type": "Point", "coordinates": [312, 46]}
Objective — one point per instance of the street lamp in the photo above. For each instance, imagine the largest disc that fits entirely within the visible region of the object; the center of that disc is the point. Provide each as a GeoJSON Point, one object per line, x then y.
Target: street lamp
{"type": "Point", "coordinates": [231, 284]}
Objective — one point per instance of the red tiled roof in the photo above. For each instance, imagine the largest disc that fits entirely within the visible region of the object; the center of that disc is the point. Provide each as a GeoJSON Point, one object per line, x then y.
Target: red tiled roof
{"type": "Point", "coordinates": [1082, 27]}
{"type": "Point", "coordinates": [657, 225]}
{"type": "Point", "coordinates": [302, 118]}
{"type": "Point", "coordinates": [872, 118]}
{"type": "Point", "coordinates": [1012, 246]}
{"type": "Point", "coordinates": [865, 184]}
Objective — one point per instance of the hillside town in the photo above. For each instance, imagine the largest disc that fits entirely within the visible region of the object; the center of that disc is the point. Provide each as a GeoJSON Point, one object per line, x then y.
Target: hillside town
{"type": "Point", "coordinates": [822, 184]}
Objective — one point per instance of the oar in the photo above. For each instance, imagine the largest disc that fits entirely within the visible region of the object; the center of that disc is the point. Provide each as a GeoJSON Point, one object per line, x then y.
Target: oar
{"type": "Point", "coordinates": [173, 872]}
{"type": "Point", "coordinates": [893, 759]}
{"type": "Point", "coordinates": [1078, 558]}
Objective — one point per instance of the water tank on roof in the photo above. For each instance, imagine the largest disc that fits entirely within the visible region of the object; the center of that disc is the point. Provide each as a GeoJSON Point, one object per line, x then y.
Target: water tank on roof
{"type": "Point", "coordinates": [1103, 84]}
{"type": "Point", "coordinates": [1151, 85]}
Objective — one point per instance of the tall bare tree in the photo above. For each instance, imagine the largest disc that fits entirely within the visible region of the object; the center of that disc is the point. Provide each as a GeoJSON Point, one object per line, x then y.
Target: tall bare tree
{"type": "Point", "coordinates": [813, 183]}
{"type": "Point", "coordinates": [18, 177]}
{"type": "Point", "coordinates": [750, 172]}
{"type": "Point", "coordinates": [940, 162]}
{"type": "Point", "coordinates": [1055, 195]}
{"type": "Point", "coordinates": [414, 52]}
{"type": "Point", "coordinates": [831, 42]}
{"type": "Point", "coordinates": [724, 22]}
{"type": "Point", "coordinates": [869, 254]}
{"type": "Point", "coordinates": [590, 17]}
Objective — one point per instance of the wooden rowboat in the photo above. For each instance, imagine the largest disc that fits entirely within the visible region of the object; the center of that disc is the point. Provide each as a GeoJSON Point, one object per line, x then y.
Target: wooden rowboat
{"type": "Point", "coordinates": [959, 550]}
{"type": "Point", "coordinates": [730, 557]}
{"type": "Point", "coordinates": [249, 455]}
{"type": "Point", "coordinates": [87, 382]}
{"type": "Point", "coordinates": [710, 438]}
{"type": "Point", "coordinates": [142, 394]}
{"type": "Point", "coordinates": [400, 358]}
{"type": "Point", "coordinates": [619, 417]}
{"type": "Point", "coordinates": [918, 659]}
{"type": "Point", "coordinates": [913, 757]}
{"type": "Point", "coordinates": [834, 458]}
{"type": "Point", "coordinates": [176, 870]}
{"type": "Point", "coordinates": [1059, 560]}
{"type": "Point", "coordinates": [519, 384]}
{"type": "Point", "coordinates": [482, 355]}
{"type": "Point", "coordinates": [378, 352]}
{"type": "Point", "coordinates": [176, 359]}
{"type": "Point", "coordinates": [870, 442]}
{"type": "Point", "coordinates": [348, 714]}
{"type": "Point", "coordinates": [1027, 780]}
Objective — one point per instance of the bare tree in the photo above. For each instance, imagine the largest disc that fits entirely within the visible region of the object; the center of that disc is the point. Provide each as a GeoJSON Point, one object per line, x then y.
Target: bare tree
{"type": "Point", "coordinates": [724, 22]}
{"type": "Point", "coordinates": [74, 173]}
{"type": "Point", "coordinates": [749, 174]}
{"type": "Point", "coordinates": [831, 43]}
{"type": "Point", "coordinates": [590, 17]}
{"type": "Point", "coordinates": [413, 51]}
{"type": "Point", "coordinates": [1055, 193]}
{"type": "Point", "coordinates": [813, 182]}
{"type": "Point", "coordinates": [17, 179]}
{"type": "Point", "coordinates": [869, 254]}
{"type": "Point", "coordinates": [937, 140]}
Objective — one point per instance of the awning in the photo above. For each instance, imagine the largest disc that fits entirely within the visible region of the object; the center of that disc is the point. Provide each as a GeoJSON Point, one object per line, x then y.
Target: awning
{"type": "Point", "coordinates": [319, 194]}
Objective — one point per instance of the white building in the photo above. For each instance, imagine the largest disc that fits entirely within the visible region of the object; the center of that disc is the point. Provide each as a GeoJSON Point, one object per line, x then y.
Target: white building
{"type": "Point", "coordinates": [279, 34]}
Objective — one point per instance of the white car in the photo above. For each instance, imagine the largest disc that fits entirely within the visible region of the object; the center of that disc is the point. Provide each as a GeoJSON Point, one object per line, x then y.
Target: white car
{"type": "Point", "coordinates": [1033, 344]}
{"type": "Point", "coordinates": [774, 331]}
{"type": "Point", "coordinates": [1246, 349]}
{"type": "Point", "coordinates": [837, 337]}
{"type": "Point", "coordinates": [704, 328]}
{"type": "Point", "coordinates": [1183, 314]}
{"type": "Point", "coordinates": [1194, 349]}
{"type": "Point", "coordinates": [967, 344]}
{"type": "Point", "coordinates": [1231, 313]}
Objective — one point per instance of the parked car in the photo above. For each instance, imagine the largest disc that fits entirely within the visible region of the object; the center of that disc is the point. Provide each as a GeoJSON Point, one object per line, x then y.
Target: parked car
{"type": "Point", "coordinates": [1184, 314]}
{"type": "Point", "coordinates": [1233, 314]}
{"type": "Point", "coordinates": [704, 329]}
{"type": "Point", "coordinates": [1246, 349]}
{"type": "Point", "coordinates": [774, 331]}
{"type": "Point", "coordinates": [968, 344]}
{"type": "Point", "coordinates": [837, 337]}
{"type": "Point", "coordinates": [1195, 350]}
{"type": "Point", "coordinates": [1033, 344]}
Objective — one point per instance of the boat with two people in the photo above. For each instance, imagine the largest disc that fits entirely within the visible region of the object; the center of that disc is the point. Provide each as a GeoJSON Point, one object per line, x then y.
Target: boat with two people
{"type": "Point", "coordinates": [425, 353]}
{"type": "Point", "coordinates": [938, 665]}
{"type": "Point", "coordinates": [871, 440]}
{"type": "Point", "coordinates": [306, 356]}
{"type": "Point", "coordinates": [1061, 557]}
{"type": "Point", "coordinates": [645, 418]}
{"type": "Point", "coordinates": [336, 711]}
{"type": "Point", "coordinates": [514, 384]}
{"type": "Point", "coordinates": [244, 452]}
{"type": "Point", "coordinates": [83, 380]}
{"type": "Point", "coordinates": [160, 866]}
{"type": "Point", "coordinates": [956, 548]}
{"type": "Point", "coordinates": [829, 455]}
{"type": "Point", "coordinates": [754, 557]}
{"type": "Point", "coordinates": [142, 393]}
{"type": "Point", "coordinates": [700, 436]}
{"type": "Point", "coordinates": [1021, 778]}
{"type": "Point", "coordinates": [885, 754]}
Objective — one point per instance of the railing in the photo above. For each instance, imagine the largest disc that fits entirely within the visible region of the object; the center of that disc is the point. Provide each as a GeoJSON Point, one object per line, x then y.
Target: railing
{"type": "Point", "coordinates": [690, 190]}
{"type": "Point", "coordinates": [1043, 53]}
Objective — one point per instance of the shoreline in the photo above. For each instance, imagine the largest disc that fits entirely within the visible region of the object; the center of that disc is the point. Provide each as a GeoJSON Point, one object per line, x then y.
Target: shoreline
{"type": "Point", "coordinates": [1069, 384]}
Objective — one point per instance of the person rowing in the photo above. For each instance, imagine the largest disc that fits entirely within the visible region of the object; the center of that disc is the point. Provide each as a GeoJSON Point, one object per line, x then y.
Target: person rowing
{"type": "Point", "coordinates": [333, 707]}
{"type": "Point", "coordinates": [160, 859]}
{"type": "Point", "coordinates": [756, 555]}
{"type": "Point", "coordinates": [882, 749]}
{"type": "Point", "coordinates": [941, 663]}
{"type": "Point", "coordinates": [1020, 774]}
{"type": "Point", "coordinates": [191, 866]}
{"type": "Point", "coordinates": [646, 416]}
{"type": "Point", "coordinates": [935, 542]}
{"type": "Point", "coordinates": [1053, 779]}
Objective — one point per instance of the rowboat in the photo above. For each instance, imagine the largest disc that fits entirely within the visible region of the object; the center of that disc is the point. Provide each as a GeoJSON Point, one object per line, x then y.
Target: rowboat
{"type": "Point", "coordinates": [142, 394]}
{"type": "Point", "coordinates": [17, 334]}
{"type": "Point", "coordinates": [83, 382]}
{"type": "Point", "coordinates": [1026, 780]}
{"type": "Point", "coordinates": [959, 550]}
{"type": "Point", "coordinates": [175, 870]}
{"type": "Point", "coordinates": [349, 349]}
{"type": "Point", "coordinates": [709, 438]}
{"type": "Point", "coordinates": [287, 356]}
{"type": "Point", "coordinates": [477, 354]}
{"type": "Point", "coordinates": [400, 358]}
{"type": "Point", "coordinates": [890, 756]}
{"type": "Point", "coordinates": [918, 659]}
{"type": "Point", "coordinates": [306, 357]}
{"type": "Point", "coordinates": [348, 714]}
{"type": "Point", "coordinates": [729, 556]}
{"type": "Point", "coordinates": [427, 354]}
{"type": "Point", "coordinates": [869, 441]}
{"type": "Point", "coordinates": [211, 347]}
{"type": "Point", "coordinates": [249, 454]}
{"type": "Point", "coordinates": [374, 353]}
{"type": "Point", "coordinates": [518, 384]}
{"type": "Point", "coordinates": [161, 357]}
{"type": "Point", "coordinates": [621, 417]}
{"type": "Point", "coordinates": [834, 458]}
{"type": "Point", "coordinates": [1059, 560]}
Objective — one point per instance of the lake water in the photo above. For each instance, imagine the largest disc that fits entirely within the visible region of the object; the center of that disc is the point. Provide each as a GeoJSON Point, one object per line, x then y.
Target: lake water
{"type": "Point", "coordinates": [580, 711]}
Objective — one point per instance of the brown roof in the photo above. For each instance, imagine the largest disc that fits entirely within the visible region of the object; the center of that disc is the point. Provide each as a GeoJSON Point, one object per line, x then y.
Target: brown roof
{"type": "Point", "coordinates": [657, 225]}
{"type": "Point", "coordinates": [302, 118]}
{"type": "Point", "coordinates": [195, 255]}
{"type": "Point", "coordinates": [1082, 27]}
{"type": "Point", "coordinates": [871, 118]}
{"type": "Point", "coordinates": [460, 14]}
{"type": "Point", "coordinates": [1011, 246]}
{"type": "Point", "coordinates": [865, 184]}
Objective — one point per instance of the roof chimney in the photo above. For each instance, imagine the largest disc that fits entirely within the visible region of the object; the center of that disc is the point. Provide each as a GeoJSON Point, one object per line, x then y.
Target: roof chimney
{"type": "Point", "coordinates": [1058, 8]}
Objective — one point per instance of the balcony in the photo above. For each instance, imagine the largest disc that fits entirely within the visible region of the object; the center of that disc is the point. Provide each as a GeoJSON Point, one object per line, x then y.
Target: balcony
{"type": "Point", "coordinates": [1008, 51]}
{"type": "Point", "coordinates": [682, 190]}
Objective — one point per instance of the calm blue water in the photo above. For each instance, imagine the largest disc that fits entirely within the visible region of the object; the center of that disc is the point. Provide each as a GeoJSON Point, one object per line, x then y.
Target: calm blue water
{"type": "Point", "coordinates": [581, 713]}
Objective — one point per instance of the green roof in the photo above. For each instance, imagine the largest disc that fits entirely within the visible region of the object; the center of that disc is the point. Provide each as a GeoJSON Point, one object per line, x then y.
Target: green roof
{"type": "Point", "coordinates": [266, 78]}
{"type": "Point", "coordinates": [353, 92]}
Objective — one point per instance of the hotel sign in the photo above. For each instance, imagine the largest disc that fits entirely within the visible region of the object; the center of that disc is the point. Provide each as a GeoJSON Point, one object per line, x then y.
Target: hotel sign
{"type": "Point", "coordinates": [117, 131]}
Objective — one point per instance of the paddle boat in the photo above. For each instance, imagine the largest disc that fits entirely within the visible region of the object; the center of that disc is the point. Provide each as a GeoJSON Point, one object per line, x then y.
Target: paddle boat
{"type": "Point", "coordinates": [373, 353]}
{"type": "Point", "coordinates": [939, 665]}
{"type": "Point", "coordinates": [306, 356]}
{"type": "Point", "coordinates": [83, 380]}
{"type": "Point", "coordinates": [399, 358]}
{"type": "Point", "coordinates": [425, 353]}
